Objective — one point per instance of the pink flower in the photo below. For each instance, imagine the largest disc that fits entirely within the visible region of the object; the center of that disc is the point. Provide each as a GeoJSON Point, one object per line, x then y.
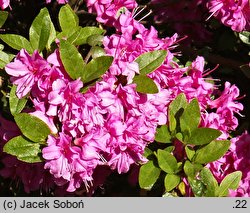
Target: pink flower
{"type": "Point", "coordinates": [107, 11]}
{"type": "Point", "coordinates": [235, 14]}
{"type": "Point", "coordinates": [194, 85]}
{"type": "Point", "coordinates": [71, 162]}
{"type": "Point", "coordinates": [26, 70]}
{"type": "Point", "coordinates": [4, 4]}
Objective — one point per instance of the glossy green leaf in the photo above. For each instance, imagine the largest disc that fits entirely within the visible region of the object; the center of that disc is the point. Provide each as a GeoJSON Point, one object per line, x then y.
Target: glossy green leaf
{"type": "Point", "coordinates": [95, 40]}
{"type": "Point", "coordinates": [147, 152]}
{"type": "Point", "coordinates": [32, 127]}
{"type": "Point", "coordinates": [5, 59]}
{"type": "Point", "coordinates": [170, 149]}
{"type": "Point", "coordinates": [68, 20]}
{"type": "Point", "coordinates": [52, 35]}
{"type": "Point", "coordinates": [172, 121]}
{"type": "Point", "coordinates": [3, 17]}
{"type": "Point", "coordinates": [150, 61]}
{"type": "Point", "coordinates": [212, 151]}
{"type": "Point", "coordinates": [40, 29]}
{"type": "Point", "coordinates": [201, 136]}
{"type": "Point", "coordinates": [190, 152]}
{"type": "Point", "coordinates": [85, 32]}
{"type": "Point", "coordinates": [210, 182]}
{"type": "Point", "coordinates": [180, 102]}
{"type": "Point", "coordinates": [148, 175]}
{"type": "Point", "coordinates": [23, 149]}
{"type": "Point", "coordinates": [97, 52]}
{"type": "Point", "coordinates": [162, 134]}
{"type": "Point", "coordinates": [231, 181]}
{"type": "Point", "coordinates": [96, 68]}
{"type": "Point", "coordinates": [72, 60]}
{"type": "Point", "coordinates": [245, 36]}
{"type": "Point", "coordinates": [191, 169]}
{"type": "Point", "coordinates": [190, 118]}
{"type": "Point", "coordinates": [167, 161]}
{"type": "Point", "coordinates": [145, 85]}
{"type": "Point", "coordinates": [175, 110]}
{"type": "Point", "coordinates": [17, 42]}
{"type": "Point", "coordinates": [16, 104]}
{"type": "Point", "coordinates": [198, 187]}
{"type": "Point", "coordinates": [71, 36]}
{"type": "Point", "coordinates": [171, 181]}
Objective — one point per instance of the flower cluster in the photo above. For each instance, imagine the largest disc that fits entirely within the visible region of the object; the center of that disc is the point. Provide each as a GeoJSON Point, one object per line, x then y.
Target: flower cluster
{"type": "Point", "coordinates": [235, 14]}
{"type": "Point", "coordinates": [111, 123]}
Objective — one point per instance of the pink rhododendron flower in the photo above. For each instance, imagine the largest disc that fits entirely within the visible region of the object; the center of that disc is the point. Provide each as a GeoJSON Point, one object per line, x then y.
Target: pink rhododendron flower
{"type": "Point", "coordinates": [107, 11]}
{"type": "Point", "coordinates": [69, 163]}
{"type": "Point", "coordinates": [235, 14]}
{"type": "Point", "coordinates": [26, 70]}
{"type": "Point", "coordinates": [4, 4]}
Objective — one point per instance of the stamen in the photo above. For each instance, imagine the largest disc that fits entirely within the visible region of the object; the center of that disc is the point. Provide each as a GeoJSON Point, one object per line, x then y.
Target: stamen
{"type": "Point", "coordinates": [210, 71]}
{"type": "Point", "coordinates": [150, 12]}
{"type": "Point", "coordinates": [135, 15]}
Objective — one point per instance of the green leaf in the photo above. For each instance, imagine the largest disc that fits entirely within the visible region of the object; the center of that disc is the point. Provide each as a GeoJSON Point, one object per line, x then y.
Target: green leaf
{"type": "Point", "coordinates": [171, 181]}
{"type": "Point", "coordinates": [191, 169]}
{"type": "Point", "coordinates": [5, 59]}
{"type": "Point", "coordinates": [201, 136]}
{"type": "Point", "coordinates": [31, 159]}
{"type": "Point", "coordinates": [198, 188]}
{"type": "Point", "coordinates": [68, 20]}
{"type": "Point", "coordinates": [245, 37]}
{"type": "Point", "coordinates": [231, 181]}
{"type": "Point", "coordinates": [148, 175]}
{"type": "Point", "coordinates": [175, 110]}
{"type": "Point", "coordinates": [16, 104]}
{"type": "Point", "coordinates": [3, 17]}
{"type": "Point", "coordinates": [180, 102]}
{"type": "Point", "coordinates": [72, 60]}
{"type": "Point", "coordinates": [172, 121]}
{"type": "Point", "coordinates": [212, 151]}
{"type": "Point", "coordinates": [167, 161]}
{"type": "Point", "coordinates": [147, 152]}
{"type": "Point", "coordinates": [145, 85]}
{"type": "Point", "coordinates": [163, 134]}
{"type": "Point", "coordinates": [189, 152]}
{"type": "Point", "coordinates": [32, 127]}
{"type": "Point", "coordinates": [85, 32]}
{"type": "Point", "coordinates": [170, 149]}
{"type": "Point", "coordinates": [97, 52]}
{"type": "Point", "coordinates": [96, 68]}
{"type": "Point", "coordinates": [23, 149]}
{"type": "Point", "coordinates": [150, 61]}
{"type": "Point", "coordinates": [52, 35]}
{"type": "Point", "coordinates": [40, 29]}
{"type": "Point", "coordinates": [17, 42]}
{"type": "Point", "coordinates": [95, 40]}
{"type": "Point", "coordinates": [190, 118]}
{"type": "Point", "coordinates": [71, 36]}
{"type": "Point", "coordinates": [210, 182]}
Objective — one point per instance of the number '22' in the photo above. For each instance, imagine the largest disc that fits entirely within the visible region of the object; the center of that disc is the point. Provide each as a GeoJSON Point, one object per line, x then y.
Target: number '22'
{"type": "Point", "coordinates": [241, 204]}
